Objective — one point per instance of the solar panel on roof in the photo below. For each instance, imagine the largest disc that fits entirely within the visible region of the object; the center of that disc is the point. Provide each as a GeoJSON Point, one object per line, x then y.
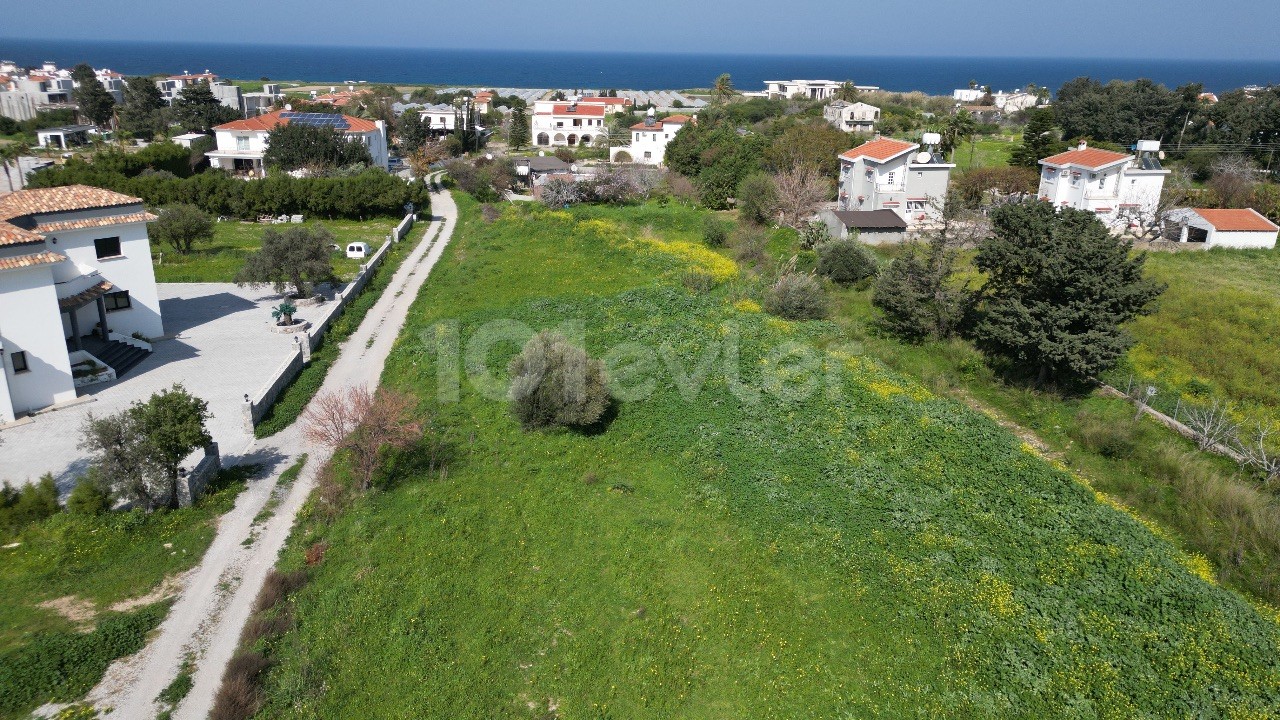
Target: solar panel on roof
{"type": "Point", "coordinates": [332, 120]}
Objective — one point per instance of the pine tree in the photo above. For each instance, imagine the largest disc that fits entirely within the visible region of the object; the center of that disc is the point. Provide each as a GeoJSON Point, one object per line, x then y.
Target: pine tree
{"type": "Point", "coordinates": [1039, 139]}
{"type": "Point", "coordinates": [519, 129]}
{"type": "Point", "coordinates": [140, 111]}
{"type": "Point", "coordinates": [1060, 288]}
{"type": "Point", "coordinates": [91, 97]}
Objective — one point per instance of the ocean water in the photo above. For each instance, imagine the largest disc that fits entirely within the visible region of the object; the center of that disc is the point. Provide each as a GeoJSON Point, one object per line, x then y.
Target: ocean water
{"type": "Point", "coordinates": [634, 71]}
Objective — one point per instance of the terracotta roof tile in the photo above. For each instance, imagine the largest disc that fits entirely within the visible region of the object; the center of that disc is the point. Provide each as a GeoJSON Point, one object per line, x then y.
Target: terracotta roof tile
{"type": "Point", "coordinates": [13, 235]}
{"type": "Point", "coordinates": [21, 261]}
{"type": "Point", "coordinates": [583, 109]}
{"type": "Point", "coordinates": [72, 302]}
{"type": "Point", "coordinates": [881, 150]}
{"type": "Point", "coordinates": [96, 222]}
{"type": "Point", "coordinates": [60, 199]}
{"type": "Point", "coordinates": [269, 121]}
{"type": "Point", "coordinates": [1090, 158]}
{"type": "Point", "coordinates": [1246, 220]}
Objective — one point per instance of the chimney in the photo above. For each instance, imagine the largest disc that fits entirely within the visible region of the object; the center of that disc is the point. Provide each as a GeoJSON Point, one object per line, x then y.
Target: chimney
{"type": "Point", "coordinates": [1084, 145]}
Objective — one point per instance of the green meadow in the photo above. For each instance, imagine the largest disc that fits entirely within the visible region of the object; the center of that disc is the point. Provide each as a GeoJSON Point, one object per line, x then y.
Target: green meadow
{"type": "Point", "coordinates": [773, 524]}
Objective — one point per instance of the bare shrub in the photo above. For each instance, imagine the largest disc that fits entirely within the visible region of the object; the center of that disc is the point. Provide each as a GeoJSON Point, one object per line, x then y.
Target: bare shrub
{"type": "Point", "coordinates": [489, 213]}
{"type": "Point", "coordinates": [681, 188]}
{"type": "Point", "coordinates": [263, 626]}
{"type": "Point", "coordinates": [277, 586]}
{"type": "Point", "coordinates": [315, 553]}
{"type": "Point", "coordinates": [1213, 424]}
{"type": "Point", "coordinates": [559, 192]}
{"type": "Point", "coordinates": [554, 383]}
{"type": "Point", "coordinates": [1257, 453]}
{"type": "Point", "coordinates": [239, 697]}
{"type": "Point", "coordinates": [363, 424]}
{"type": "Point", "coordinates": [799, 191]}
{"type": "Point", "coordinates": [796, 296]}
{"type": "Point", "coordinates": [749, 245]}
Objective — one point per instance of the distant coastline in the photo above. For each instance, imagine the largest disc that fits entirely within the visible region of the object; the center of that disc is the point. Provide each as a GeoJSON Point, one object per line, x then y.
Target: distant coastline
{"type": "Point", "coordinates": [636, 71]}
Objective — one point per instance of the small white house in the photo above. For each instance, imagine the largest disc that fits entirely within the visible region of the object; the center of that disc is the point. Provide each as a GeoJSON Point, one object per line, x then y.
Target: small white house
{"type": "Point", "coordinates": [1119, 188]}
{"type": "Point", "coordinates": [886, 174]}
{"type": "Point", "coordinates": [76, 283]}
{"type": "Point", "coordinates": [967, 95]}
{"type": "Point", "coordinates": [186, 139]}
{"type": "Point", "coordinates": [649, 139]}
{"type": "Point", "coordinates": [243, 143]}
{"type": "Point", "coordinates": [1243, 228]}
{"type": "Point", "coordinates": [1009, 103]}
{"type": "Point", "coordinates": [852, 117]}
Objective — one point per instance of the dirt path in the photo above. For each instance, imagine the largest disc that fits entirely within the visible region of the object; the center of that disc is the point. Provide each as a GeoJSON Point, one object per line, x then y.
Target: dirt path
{"type": "Point", "coordinates": [217, 598]}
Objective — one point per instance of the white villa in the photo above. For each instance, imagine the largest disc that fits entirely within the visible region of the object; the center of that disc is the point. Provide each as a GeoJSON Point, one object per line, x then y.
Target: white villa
{"type": "Point", "coordinates": [243, 143]}
{"type": "Point", "coordinates": [1117, 187]}
{"type": "Point", "coordinates": [886, 174]}
{"type": "Point", "coordinates": [570, 123]}
{"type": "Point", "coordinates": [852, 117]}
{"type": "Point", "coordinates": [1014, 101]}
{"type": "Point", "coordinates": [76, 283]}
{"type": "Point", "coordinates": [649, 138]}
{"type": "Point", "coordinates": [811, 89]}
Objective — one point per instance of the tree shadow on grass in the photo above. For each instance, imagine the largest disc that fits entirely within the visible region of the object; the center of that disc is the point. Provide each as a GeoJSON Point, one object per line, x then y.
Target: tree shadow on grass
{"type": "Point", "coordinates": [600, 426]}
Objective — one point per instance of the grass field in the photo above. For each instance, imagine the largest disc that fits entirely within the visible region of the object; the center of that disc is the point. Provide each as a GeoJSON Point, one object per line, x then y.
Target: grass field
{"type": "Point", "coordinates": [866, 550]}
{"type": "Point", "coordinates": [985, 152]}
{"type": "Point", "coordinates": [95, 562]}
{"type": "Point", "coordinates": [220, 260]}
{"type": "Point", "coordinates": [1215, 332]}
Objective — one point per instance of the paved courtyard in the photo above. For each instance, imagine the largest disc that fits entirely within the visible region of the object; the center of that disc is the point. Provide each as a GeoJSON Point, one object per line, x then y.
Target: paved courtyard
{"type": "Point", "coordinates": [221, 349]}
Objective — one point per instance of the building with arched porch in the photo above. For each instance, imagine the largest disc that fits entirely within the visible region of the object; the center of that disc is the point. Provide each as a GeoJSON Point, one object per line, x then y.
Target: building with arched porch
{"type": "Point", "coordinates": [570, 124]}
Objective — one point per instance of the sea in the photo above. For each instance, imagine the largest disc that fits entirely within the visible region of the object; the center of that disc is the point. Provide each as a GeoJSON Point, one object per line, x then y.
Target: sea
{"type": "Point", "coordinates": [629, 70]}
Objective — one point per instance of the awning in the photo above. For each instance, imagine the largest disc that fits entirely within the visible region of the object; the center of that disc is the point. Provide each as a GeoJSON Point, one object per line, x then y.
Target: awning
{"type": "Point", "coordinates": [84, 297]}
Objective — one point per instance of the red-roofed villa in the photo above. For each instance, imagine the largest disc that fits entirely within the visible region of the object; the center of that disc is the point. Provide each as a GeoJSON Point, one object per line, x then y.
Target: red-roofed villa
{"type": "Point", "coordinates": [888, 174]}
{"type": "Point", "coordinates": [243, 143]}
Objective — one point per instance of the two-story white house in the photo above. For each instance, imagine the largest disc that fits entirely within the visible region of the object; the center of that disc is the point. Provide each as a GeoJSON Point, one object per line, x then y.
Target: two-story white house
{"type": "Point", "coordinates": [852, 117]}
{"type": "Point", "coordinates": [1117, 187]}
{"type": "Point", "coordinates": [887, 174]}
{"type": "Point", "coordinates": [649, 139]}
{"type": "Point", "coordinates": [1010, 103]}
{"type": "Point", "coordinates": [243, 143]}
{"type": "Point", "coordinates": [76, 283]}
{"type": "Point", "coordinates": [568, 123]}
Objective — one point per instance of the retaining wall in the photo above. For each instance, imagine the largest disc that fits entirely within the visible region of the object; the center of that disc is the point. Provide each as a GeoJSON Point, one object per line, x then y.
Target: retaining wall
{"type": "Point", "coordinates": [196, 471]}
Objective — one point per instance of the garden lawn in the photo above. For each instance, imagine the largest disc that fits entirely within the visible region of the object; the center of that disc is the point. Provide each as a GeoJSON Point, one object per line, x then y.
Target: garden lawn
{"type": "Point", "coordinates": [864, 549]}
{"type": "Point", "coordinates": [221, 259]}
{"type": "Point", "coordinates": [985, 152]}
{"type": "Point", "coordinates": [99, 560]}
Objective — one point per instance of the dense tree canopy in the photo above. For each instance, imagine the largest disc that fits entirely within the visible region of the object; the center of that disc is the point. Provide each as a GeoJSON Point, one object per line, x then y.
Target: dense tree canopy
{"type": "Point", "coordinates": [1123, 112]}
{"type": "Point", "coordinates": [293, 146]}
{"type": "Point", "coordinates": [142, 110]}
{"type": "Point", "coordinates": [1039, 139]}
{"type": "Point", "coordinates": [196, 109]}
{"type": "Point", "coordinates": [181, 227]}
{"type": "Point", "coordinates": [299, 256]}
{"type": "Point", "coordinates": [1060, 288]}
{"type": "Point", "coordinates": [91, 97]}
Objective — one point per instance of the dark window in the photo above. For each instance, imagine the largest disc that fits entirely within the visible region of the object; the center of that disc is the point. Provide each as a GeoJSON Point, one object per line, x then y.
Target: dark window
{"type": "Point", "coordinates": [107, 247]}
{"type": "Point", "coordinates": [20, 362]}
{"type": "Point", "coordinates": [118, 300]}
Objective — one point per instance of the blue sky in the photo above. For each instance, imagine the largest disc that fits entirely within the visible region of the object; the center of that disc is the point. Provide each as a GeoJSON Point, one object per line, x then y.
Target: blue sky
{"type": "Point", "coordinates": [1226, 29]}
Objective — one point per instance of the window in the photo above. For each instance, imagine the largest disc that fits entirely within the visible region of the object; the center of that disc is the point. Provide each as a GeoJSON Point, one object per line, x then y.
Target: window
{"type": "Point", "coordinates": [648, 155]}
{"type": "Point", "coordinates": [242, 143]}
{"type": "Point", "coordinates": [889, 178]}
{"type": "Point", "coordinates": [577, 122]}
{"type": "Point", "coordinates": [20, 362]}
{"type": "Point", "coordinates": [107, 247]}
{"type": "Point", "coordinates": [118, 300]}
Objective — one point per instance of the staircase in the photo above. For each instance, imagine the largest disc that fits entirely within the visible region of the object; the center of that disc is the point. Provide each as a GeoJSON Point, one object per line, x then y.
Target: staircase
{"type": "Point", "coordinates": [117, 355]}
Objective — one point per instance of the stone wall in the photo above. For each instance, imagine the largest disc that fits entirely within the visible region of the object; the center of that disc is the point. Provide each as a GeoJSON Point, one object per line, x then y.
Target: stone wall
{"type": "Point", "coordinates": [196, 471]}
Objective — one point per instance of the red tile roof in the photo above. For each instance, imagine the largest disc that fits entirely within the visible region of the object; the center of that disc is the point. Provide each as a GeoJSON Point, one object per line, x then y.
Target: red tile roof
{"type": "Point", "coordinates": [591, 110]}
{"type": "Point", "coordinates": [60, 199]}
{"type": "Point", "coordinates": [40, 258]}
{"type": "Point", "coordinates": [13, 235]}
{"type": "Point", "coordinates": [676, 119]}
{"type": "Point", "coordinates": [1090, 158]}
{"type": "Point", "coordinates": [1246, 220]}
{"type": "Point", "coordinates": [881, 150]}
{"type": "Point", "coordinates": [268, 121]}
{"type": "Point", "coordinates": [96, 222]}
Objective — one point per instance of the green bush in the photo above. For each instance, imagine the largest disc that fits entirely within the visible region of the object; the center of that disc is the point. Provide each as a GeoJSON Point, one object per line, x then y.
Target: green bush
{"type": "Point", "coordinates": [90, 496]}
{"type": "Point", "coordinates": [62, 666]}
{"type": "Point", "coordinates": [846, 261]}
{"type": "Point", "coordinates": [714, 232]}
{"type": "Point", "coordinates": [554, 383]}
{"type": "Point", "coordinates": [28, 504]}
{"type": "Point", "coordinates": [796, 296]}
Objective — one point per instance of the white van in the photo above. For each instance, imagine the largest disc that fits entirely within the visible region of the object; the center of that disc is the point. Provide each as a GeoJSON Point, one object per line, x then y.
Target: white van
{"type": "Point", "coordinates": [358, 250]}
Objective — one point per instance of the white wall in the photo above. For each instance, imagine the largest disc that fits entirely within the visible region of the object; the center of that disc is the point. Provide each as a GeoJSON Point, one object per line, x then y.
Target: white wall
{"type": "Point", "coordinates": [132, 271]}
{"type": "Point", "coordinates": [1240, 239]}
{"type": "Point", "coordinates": [29, 322]}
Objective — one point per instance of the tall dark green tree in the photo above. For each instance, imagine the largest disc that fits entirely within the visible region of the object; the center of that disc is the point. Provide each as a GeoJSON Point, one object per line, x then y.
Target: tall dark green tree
{"type": "Point", "coordinates": [519, 129]}
{"type": "Point", "coordinates": [1060, 289]}
{"type": "Point", "coordinates": [1039, 139]}
{"type": "Point", "coordinates": [196, 109]}
{"type": "Point", "coordinates": [411, 132]}
{"type": "Point", "coordinates": [293, 146]}
{"type": "Point", "coordinates": [140, 113]}
{"type": "Point", "coordinates": [91, 97]}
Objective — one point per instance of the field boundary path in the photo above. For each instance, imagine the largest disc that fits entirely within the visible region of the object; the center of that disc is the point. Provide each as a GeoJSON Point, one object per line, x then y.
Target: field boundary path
{"type": "Point", "coordinates": [217, 596]}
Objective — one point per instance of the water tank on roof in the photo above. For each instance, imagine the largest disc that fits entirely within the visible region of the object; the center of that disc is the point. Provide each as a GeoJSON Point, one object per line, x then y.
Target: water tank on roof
{"type": "Point", "coordinates": [932, 138]}
{"type": "Point", "coordinates": [1148, 146]}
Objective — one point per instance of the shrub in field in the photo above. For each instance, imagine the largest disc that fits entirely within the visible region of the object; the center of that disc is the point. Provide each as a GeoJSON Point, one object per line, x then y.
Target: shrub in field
{"type": "Point", "coordinates": [796, 296]}
{"type": "Point", "coordinates": [31, 503]}
{"type": "Point", "coordinates": [239, 696]}
{"type": "Point", "coordinates": [554, 383]}
{"type": "Point", "coordinates": [846, 261]}
{"type": "Point", "coordinates": [364, 424]}
{"type": "Point", "coordinates": [91, 496]}
{"type": "Point", "coordinates": [714, 232]}
{"type": "Point", "coordinates": [749, 246]}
